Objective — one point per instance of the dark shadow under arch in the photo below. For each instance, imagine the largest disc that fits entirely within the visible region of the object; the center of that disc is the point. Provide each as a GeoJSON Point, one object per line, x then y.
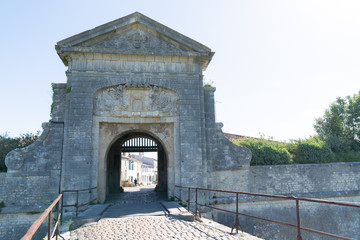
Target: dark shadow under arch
{"type": "Point", "coordinates": [114, 162]}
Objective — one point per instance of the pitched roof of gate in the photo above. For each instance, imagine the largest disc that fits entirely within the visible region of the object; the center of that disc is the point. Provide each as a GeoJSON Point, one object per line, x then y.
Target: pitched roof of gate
{"type": "Point", "coordinates": [118, 37]}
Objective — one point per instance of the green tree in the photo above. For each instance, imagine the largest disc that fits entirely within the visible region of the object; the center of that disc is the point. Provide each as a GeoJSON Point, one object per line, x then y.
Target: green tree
{"type": "Point", "coordinates": [353, 118]}
{"type": "Point", "coordinates": [8, 144]}
{"type": "Point", "coordinates": [340, 125]}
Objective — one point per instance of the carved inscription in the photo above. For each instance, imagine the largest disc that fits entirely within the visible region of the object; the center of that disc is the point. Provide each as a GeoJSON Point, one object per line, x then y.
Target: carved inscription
{"type": "Point", "coordinates": [135, 99]}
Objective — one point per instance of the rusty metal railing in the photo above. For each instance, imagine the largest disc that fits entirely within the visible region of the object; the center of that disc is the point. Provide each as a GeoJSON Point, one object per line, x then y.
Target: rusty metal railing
{"type": "Point", "coordinates": [237, 224]}
{"type": "Point", "coordinates": [47, 214]}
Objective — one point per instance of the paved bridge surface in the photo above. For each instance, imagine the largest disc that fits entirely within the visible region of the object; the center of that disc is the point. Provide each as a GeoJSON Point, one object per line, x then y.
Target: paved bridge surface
{"type": "Point", "coordinates": [138, 214]}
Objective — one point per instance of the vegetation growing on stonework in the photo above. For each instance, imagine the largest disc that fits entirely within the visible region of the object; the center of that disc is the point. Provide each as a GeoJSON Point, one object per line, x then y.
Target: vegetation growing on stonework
{"type": "Point", "coordinates": [65, 61]}
{"type": "Point", "coordinates": [68, 90]}
{"type": "Point", "coordinates": [8, 144]}
{"type": "Point", "coordinates": [208, 83]}
{"type": "Point", "coordinates": [337, 139]}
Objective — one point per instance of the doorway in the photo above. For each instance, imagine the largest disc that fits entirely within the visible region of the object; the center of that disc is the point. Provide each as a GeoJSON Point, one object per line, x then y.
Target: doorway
{"type": "Point", "coordinates": [129, 164]}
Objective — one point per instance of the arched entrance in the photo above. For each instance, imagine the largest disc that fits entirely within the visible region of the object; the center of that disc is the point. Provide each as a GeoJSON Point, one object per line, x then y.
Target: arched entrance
{"type": "Point", "coordinates": [124, 167]}
{"type": "Point", "coordinates": [109, 138]}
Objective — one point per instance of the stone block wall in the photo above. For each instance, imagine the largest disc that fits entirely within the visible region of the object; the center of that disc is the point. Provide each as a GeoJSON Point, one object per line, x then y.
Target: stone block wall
{"type": "Point", "coordinates": [13, 226]}
{"type": "Point", "coordinates": [32, 193]}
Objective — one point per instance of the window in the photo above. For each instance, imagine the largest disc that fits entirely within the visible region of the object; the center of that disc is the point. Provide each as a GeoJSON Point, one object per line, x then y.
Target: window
{"type": "Point", "coordinates": [131, 165]}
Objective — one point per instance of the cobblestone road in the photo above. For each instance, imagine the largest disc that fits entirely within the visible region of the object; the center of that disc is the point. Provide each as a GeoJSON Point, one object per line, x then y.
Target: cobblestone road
{"type": "Point", "coordinates": [153, 227]}
{"type": "Point", "coordinates": [147, 221]}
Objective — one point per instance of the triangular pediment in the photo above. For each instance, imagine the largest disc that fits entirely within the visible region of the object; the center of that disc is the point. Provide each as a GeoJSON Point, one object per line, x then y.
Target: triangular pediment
{"type": "Point", "coordinates": [134, 34]}
{"type": "Point", "coordinates": [136, 37]}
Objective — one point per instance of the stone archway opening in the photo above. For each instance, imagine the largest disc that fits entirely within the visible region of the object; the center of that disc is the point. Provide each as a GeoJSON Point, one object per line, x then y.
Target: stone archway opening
{"type": "Point", "coordinates": [126, 161]}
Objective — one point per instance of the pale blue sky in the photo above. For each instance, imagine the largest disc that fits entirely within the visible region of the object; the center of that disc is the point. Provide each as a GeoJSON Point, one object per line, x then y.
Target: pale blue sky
{"type": "Point", "coordinates": [278, 63]}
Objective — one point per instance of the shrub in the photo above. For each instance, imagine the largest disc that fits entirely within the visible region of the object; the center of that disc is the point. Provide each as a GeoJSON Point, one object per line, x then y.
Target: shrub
{"type": "Point", "coordinates": [312, 150]}
{"type": "Point", "coordinates": [350, 156]}
{"type": "Point", "coordinates": [265, 152]}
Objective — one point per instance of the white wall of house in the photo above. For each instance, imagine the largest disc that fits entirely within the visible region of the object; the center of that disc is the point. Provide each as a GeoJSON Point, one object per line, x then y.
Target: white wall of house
{"type": "Point", "coordinates": [132, 169]}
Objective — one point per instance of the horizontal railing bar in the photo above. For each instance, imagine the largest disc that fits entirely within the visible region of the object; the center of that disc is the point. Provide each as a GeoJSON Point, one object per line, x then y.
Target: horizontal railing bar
{"type": "Point", "coordinates": [346, 204]}
{"type": "Point", "coordinates": [245, 193]}
{"type": "Point", "coordinates": [179, 199]}
{"type": "Point", "coordinates": [72, 205]}
{"type": "Point", "coordinates": [86, 203]}
{"type": "Point", "coordinates": [182, 200]}
{"type": "Point", "coordinates": [81, 190]}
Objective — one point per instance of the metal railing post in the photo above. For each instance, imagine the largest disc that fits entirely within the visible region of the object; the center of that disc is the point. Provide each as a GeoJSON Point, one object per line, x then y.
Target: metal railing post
{"type": "Point", "coordinates": [298, 219]}
{"type": "Point", "coordinates": [196, 201]}
{"type": "Point", "coordinates": [77, 201]}
{"type": "Point", "coordinates": [189, 199]}
{"type": "Point", "coordinates": [49, 225]}
{"type": "Point", "coordinates": [237, 211]}
{"type": "Point", "coordinates": [57, 231]}
{"type": "Point", "coordinates": [62, 209]}
{"type": "Point", "coordinates": [237, 223]}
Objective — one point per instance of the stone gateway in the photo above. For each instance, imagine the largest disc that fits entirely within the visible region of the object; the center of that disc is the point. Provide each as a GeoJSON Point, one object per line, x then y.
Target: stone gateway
{"type": "Point", "coordinates": [129, 78]}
